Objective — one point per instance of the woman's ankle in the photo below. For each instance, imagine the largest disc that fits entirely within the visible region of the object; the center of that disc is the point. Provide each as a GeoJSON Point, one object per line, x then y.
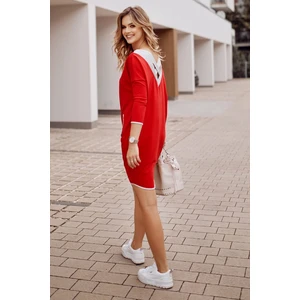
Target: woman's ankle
{"type": "Point", "coordinates": [135, 245]}
{"type": "Point", "coordinates": [162, 268]}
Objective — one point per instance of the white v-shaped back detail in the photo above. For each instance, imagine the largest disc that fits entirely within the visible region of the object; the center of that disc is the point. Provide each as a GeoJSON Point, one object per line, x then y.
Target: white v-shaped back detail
{"type": "Point", "coordinates": [156, 67]}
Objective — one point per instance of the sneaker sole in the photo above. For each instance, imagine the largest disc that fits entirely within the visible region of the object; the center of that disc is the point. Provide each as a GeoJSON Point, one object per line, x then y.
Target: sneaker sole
{"type": "Point", "coordinates": [137, 262]}
{"type": "Point", "coordinates": [154, 283]}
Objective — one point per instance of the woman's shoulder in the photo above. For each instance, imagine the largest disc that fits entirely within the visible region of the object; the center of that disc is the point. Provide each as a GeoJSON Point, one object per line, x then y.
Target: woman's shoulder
{"type": "Point", "coordinates": [133, 59]}
{"type": "Point", "coordinates": [132, 56]}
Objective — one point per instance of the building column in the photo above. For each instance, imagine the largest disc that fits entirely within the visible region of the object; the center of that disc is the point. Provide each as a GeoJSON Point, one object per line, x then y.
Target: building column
{"type": "Point", "coordinates": [220, 61]}
{"type": "Point", "coordinates": [73, 63]}
{"type": "Point", "coordinates": [186, 64]}
{"type": "Point", "coordinates": [204, 62]}
{"type": "Point", "coordinates": [168, 44]}
{"type": "Point", "coordinates": [108, 74]}
{"type": "Point", "coordinates": [229, 62]}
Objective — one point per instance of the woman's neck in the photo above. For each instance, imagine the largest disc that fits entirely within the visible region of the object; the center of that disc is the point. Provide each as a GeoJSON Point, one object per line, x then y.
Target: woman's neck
{"type": "Point", "coordinates": [142, 45]}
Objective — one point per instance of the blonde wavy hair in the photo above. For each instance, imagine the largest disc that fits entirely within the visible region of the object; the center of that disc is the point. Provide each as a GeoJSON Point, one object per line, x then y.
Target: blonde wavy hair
{"type": "Point", "coordinates": [139, 18]}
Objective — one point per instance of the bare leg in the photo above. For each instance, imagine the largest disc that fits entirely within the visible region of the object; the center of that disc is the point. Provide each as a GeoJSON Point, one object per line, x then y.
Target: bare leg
{"type": "Point", "coordinates": [153, 227]}
{"type": "Point", "coordinates": [139, 228]}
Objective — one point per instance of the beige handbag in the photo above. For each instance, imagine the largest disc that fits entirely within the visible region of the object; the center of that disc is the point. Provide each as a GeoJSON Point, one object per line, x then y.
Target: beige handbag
{"type": "Point", "coordinates": [167, 175]}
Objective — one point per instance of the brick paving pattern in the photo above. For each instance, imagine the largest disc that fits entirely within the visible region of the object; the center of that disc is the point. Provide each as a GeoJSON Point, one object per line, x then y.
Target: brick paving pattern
{"type": "Point", "coordinates": [206, 225]}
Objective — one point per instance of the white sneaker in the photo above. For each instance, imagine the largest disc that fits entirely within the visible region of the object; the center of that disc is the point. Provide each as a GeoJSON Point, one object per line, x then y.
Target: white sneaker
{"type": "Point", "coordinates": [137, 256]}
{"type": "Point", "coordinates": [151, 276]}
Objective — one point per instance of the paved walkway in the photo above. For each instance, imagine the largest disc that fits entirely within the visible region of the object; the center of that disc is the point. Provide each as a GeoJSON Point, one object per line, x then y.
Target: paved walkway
{"type": "Point", "coordinates": [206, 225]}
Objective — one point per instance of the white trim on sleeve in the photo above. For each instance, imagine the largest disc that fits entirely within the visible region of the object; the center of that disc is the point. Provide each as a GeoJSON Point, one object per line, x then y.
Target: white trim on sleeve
{"type": "Point", "coordinates": [133, 122]}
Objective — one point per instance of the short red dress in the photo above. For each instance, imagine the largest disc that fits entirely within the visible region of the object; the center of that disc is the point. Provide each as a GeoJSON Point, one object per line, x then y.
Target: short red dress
{"type": "Point", "coordinates": [143, 100]}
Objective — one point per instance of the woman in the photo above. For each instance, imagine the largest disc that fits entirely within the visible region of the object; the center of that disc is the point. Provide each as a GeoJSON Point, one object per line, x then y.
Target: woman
{"type": "Point", "coordinates": [143, 102]}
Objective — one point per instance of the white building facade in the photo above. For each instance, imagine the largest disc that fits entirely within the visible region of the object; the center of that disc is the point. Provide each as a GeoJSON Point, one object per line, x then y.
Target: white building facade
{"type": "Point", "coordinates": [84, 76]}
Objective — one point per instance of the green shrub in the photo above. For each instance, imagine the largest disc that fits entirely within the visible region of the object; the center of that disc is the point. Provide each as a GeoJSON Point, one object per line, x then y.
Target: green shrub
{"type": "Point", "coordinates": [240, 58]}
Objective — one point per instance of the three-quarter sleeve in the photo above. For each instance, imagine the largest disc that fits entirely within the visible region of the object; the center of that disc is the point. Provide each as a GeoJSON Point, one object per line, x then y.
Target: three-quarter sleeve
{"type": "Point", "coordinates": [139, 89]}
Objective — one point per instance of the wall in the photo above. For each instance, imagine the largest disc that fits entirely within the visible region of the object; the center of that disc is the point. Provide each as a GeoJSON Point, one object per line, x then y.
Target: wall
{"type": "Point", "coordinates": [205, 2]}
{"type": "Point", "coordinates": [231, 4]}
{"type": "Point", "coordinates": [204, 62]}
{"type": "Point", "coordinates": [108, 75]}
{"type": "Point", "coordinates": [220, 62]}
{"type": "Point", "coordinates": [168, 44]}
{"type": "Point", "coordinates": [70, 84]}
{"type": "Point", "coordinates": [229, 62]}
{"type": "Point", "coordinates": [186, 63]}
{"type": "Point", "coordinates": [188, 16]}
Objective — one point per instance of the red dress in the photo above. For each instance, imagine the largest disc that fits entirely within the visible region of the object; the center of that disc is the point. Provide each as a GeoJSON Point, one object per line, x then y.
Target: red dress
{"type": "Point", "coordinates": [143, 100]}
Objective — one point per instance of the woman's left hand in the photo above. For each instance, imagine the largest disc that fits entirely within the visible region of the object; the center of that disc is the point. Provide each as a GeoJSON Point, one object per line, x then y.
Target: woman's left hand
{"type": "Point", "coordinates": [133, 157]}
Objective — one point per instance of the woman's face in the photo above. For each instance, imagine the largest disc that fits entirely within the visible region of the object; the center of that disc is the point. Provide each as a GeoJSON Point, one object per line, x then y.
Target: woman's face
{"type": "Point", "coordinates": [133, 34]}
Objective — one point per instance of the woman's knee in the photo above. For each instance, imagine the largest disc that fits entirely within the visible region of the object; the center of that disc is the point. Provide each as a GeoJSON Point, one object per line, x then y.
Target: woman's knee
{"type": "Point", "coordinates": [146, 199]}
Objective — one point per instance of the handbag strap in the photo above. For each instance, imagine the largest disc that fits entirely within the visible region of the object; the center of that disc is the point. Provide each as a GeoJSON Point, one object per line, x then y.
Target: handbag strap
{"type": "Point", "coordinates": [173, 175]}
{"type": "Point", "coordinates": [165, 150]}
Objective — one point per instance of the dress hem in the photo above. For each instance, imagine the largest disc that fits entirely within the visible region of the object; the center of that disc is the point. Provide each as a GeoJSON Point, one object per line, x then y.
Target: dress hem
{"type": "Point", "coordinates": [142, 187]}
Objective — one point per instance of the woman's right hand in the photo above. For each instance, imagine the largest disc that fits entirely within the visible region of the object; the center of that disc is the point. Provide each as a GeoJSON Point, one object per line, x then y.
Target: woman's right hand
{"type": "Point", "coordinates": [133, 157]}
